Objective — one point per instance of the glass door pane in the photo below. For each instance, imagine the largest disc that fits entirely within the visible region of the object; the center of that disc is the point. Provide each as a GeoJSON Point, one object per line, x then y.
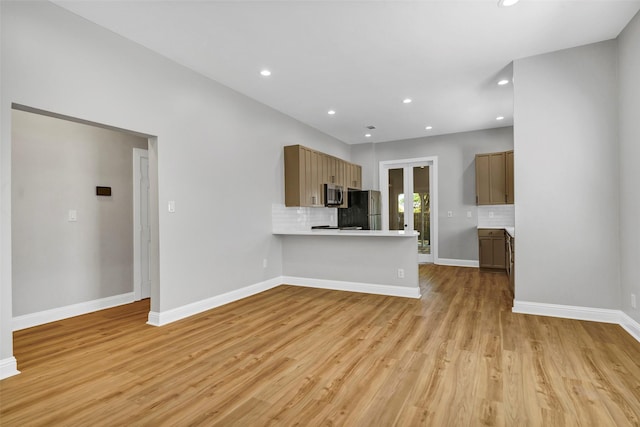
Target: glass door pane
{"type": "Point", "coordinates": [421, 208]}
{"type": "Point", "coordinates": [396, 199]}
{"type": "Point", "coordinates": [408, 204]}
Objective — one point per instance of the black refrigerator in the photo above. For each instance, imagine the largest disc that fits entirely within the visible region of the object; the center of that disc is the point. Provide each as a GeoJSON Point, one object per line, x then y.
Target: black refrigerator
{"type": "Point", "coordinates": [364, 210]}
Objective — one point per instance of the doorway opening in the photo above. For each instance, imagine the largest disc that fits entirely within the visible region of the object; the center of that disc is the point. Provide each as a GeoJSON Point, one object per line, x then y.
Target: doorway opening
{"type": "Point", "coordinates": [58, 164]}
{"type": "Point", "coordinates": [409, 201]}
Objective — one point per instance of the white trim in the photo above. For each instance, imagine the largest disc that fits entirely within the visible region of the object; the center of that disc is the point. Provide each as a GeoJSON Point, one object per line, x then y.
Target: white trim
{"type": "Point", "coordinates": [367, 288]}
{"type": "Point", "coordinates": [8, 367]}
{"type": "Point", "coordinates": [138, 154]}
{"type": "Point", "coordinates": [162, 318]}
{"type": "Point", "coordinates": [580, 313]}
{"type": "Point", "coordinates": [567, 311]}
{"type": "Point", "coordinates": [42, 317]}
{"type": "Point", "coordinates": [630, 325]}
{"type": "Point", "coordinates": [383, 177]}
{"type": "Point", "coordinates": [458, 262]}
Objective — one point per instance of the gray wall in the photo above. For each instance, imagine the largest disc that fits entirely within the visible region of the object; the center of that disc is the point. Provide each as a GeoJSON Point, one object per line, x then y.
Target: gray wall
{"type": "Point", "coordinates": [219, 153]}
{"type": "Point", "coordinates": [629, 74]}
{"type": "Point", "coordinates": [566, 177]}
{"type": "Point", "coordinates": [56, 165]}
{"type": "Point", "coordinates": [360, 259]}
{"type": "Point", "coordinates": [457, 236]}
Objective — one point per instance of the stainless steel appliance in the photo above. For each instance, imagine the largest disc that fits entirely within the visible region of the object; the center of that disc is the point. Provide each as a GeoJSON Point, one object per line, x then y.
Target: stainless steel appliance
{"type": "Point", "coordinates": [333, 195]}
{"type": "Point", "coordinates": [364, 211]}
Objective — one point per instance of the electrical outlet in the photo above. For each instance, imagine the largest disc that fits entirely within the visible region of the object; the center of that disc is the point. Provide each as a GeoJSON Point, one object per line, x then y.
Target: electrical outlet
{"type": "Point", "coordinates": [468, 214]}
{"type": "Point", "coordinates": [264, 263]}
{"type": "Point", "coordinates": [449, 214]}
{"type": "Point", "coordinates": [633, 301]}
{"type": "Point", "coordinates": [401, 273]}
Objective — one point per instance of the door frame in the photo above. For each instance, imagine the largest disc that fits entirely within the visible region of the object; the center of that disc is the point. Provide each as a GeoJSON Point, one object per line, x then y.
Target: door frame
{"type": "Point", "coordinates": [138, 154]}
{"type": "Point", "coordinates": [383, 175]}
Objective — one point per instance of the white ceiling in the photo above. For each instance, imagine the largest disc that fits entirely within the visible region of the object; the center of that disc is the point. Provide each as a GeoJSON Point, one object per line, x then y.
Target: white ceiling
{"type": "Point", "coordinates": [362, 58]}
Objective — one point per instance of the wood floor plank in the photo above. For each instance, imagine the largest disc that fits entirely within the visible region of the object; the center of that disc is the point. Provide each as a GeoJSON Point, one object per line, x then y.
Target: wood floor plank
{"type": "Point", "coordinates": [299, 356]}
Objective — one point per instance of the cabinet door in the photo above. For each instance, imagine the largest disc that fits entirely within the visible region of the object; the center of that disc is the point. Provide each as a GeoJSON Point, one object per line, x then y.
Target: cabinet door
{"type": "Point", "coordinates": [509, 177]}
{"type": "Point", "coordinates": [486, 252]}
{"type": "Point", "coordinates": [313, 172]}
{"type": "Point", "coordinates": [324, 175]}
{"type": "Point", "coordinates": [306, 197]}
{"type": "Point", "coordinates": [354, 176]}
{"type": "Point", "coordinates": [483, 186]}
{"type": "Point", "coordinates": [342, 181]}
{"type": "Point", "coordinates": [499, 253]}
{"type": "Point", "coordinates": [491, 179]}
{"type": "Point", "coordinates": [293, 185]}
{"type": "Point", "coordinates": [498, 178]}
{"type": "Point", "coordinates": [358, 178]}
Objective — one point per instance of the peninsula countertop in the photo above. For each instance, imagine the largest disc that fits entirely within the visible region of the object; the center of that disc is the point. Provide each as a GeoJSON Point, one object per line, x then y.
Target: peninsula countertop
{"type": "Point", "coordinates": [509, 229]}
{"type": "Point", "coordinates": [350, 233]}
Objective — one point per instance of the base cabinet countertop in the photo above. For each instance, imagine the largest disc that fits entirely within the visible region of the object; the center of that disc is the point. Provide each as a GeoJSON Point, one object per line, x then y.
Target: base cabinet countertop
{"type": "Point", "coordinates": [351, 233]}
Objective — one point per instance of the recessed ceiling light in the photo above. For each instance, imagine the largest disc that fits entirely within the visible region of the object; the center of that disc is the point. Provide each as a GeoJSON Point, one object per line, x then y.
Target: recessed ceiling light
{"type": "Point", "coordinates": [500, 118]}
{"type": "Point", "coordinates": [367, 135]}
{"type": "Point", "coordinates": [429, 127]}
{"type": "Point", "coordinates": [331, 112]}
{"type": "Point", "coordinates": [406, 101]}
{"type": "Point", "coordinates": [265, 73]}
{"type": "Point", "coordinates": [503, 82]}
{"type": "Point", "coordinates": [507, 3]}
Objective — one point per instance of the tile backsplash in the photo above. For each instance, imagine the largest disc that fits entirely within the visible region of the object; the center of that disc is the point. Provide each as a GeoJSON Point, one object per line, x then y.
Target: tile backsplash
{"type": "Point", "coordinates": [496, 215]}
{"type": "Point", "coordinates": [301, 219]}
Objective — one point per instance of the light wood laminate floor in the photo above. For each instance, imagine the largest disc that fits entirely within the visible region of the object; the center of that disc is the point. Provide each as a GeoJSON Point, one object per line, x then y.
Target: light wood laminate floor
{"type": "Point", "coordinates": [310, 357]}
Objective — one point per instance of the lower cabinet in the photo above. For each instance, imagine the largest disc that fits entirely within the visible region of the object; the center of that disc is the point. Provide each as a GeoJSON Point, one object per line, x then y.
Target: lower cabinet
{"type": "Point", "coordinates": [511, 260]}
{"type": "Point", "coordinates": [493, 250]}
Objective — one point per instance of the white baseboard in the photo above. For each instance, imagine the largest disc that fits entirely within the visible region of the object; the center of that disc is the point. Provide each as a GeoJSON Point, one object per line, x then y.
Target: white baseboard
{"type": "Point", "coordinates": [458, 262]}
{"type": "Point", "coordinates": [580, 313]}
{"type": "Point", "coordinates": [8, 367]}
{"type": "Point", "coordinates": [42, 317]}
{"type": "Point", "coordinates": [630, 325]}
{"type": "Point", "coordinates": [567, 311]}
{"type": "Point", "coordinates": [367, 288]}
{"type": "Point", "coordinates": [165, 317]}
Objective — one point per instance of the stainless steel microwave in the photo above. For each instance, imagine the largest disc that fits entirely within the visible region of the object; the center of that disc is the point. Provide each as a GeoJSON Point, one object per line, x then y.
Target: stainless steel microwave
{"type": "Point", "coordinates": [333, 195]}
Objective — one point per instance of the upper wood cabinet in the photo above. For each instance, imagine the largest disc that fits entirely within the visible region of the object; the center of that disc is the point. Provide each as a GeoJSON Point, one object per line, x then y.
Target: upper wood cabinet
{"type": "Point", "coordinates": [306, 171]}
{"type": "Point", "coordinates": [302, 176]}
{"type": "Point", "coordinates": [494, 178]}
{"type": "Point", "coordinates": [354, 176]}
{"type": "Point", "coordinates": [509, 171]}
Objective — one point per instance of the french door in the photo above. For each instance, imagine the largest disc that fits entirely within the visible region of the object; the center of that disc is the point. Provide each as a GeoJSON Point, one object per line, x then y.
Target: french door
{"type": "Point", "coordinates": [409, 201]}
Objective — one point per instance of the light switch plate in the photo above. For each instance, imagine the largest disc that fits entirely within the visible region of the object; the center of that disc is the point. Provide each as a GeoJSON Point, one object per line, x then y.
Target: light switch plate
{"type": "Point", "coordinates": [449, 214]}
{"type": "Point", "coordinates": [468, 214]}
{"type": "Point", "coordinates": [172, 206]}
{"type": "Point", "coordinates": [73, 215]}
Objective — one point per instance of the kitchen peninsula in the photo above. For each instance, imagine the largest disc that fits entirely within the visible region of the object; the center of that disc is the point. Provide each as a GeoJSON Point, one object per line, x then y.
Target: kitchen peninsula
{"type": "Point", "coordinates": [369, 261]}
